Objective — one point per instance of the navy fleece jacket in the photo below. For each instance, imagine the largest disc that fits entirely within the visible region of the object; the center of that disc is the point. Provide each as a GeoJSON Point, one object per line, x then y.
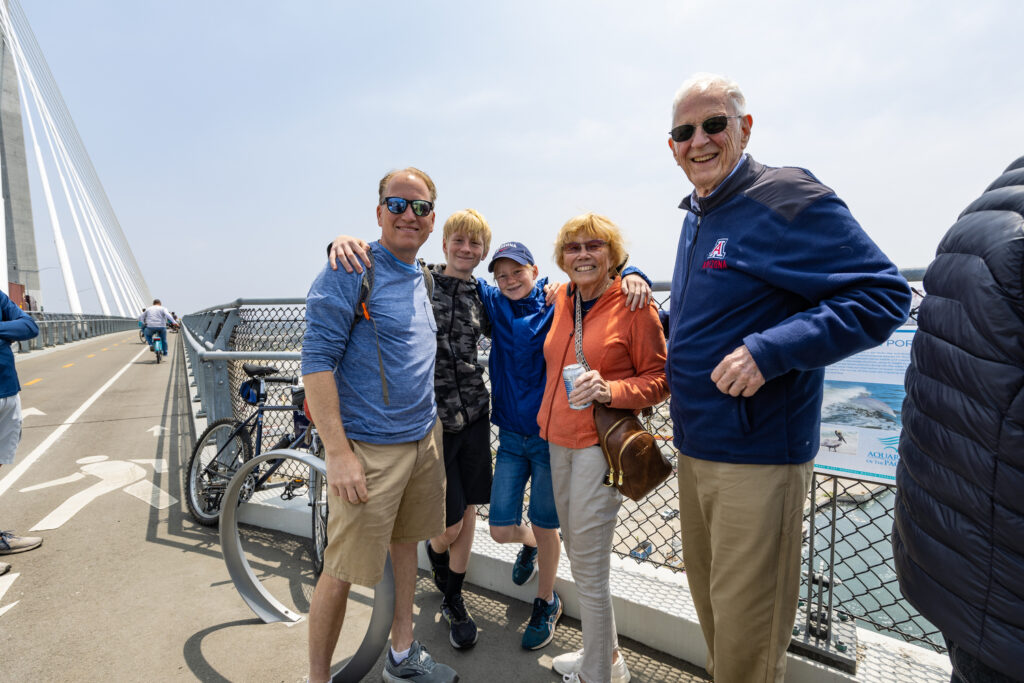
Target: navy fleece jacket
{"type": "Point", "coordinates": [772, 259]}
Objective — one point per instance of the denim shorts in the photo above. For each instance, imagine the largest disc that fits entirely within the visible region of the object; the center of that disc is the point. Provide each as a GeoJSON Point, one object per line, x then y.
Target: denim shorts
{"type": "Point", "coordinates": [521, 458]}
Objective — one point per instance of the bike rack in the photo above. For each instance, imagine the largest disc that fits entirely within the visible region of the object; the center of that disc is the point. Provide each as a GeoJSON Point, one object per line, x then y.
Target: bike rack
{"type": "Point", "coordinates": [266, 606]}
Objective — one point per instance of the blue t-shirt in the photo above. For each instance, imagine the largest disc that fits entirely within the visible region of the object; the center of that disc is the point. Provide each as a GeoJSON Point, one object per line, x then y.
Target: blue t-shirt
{"type": "Point", "coordinates": [405, 324]}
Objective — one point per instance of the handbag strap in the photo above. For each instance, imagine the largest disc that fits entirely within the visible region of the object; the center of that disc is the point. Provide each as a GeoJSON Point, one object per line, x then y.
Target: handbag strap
{"type": "Point", "coordinates": [578, 332]}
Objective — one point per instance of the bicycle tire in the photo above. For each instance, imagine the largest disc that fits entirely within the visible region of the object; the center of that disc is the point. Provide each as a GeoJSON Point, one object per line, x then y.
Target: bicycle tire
{"type": "Point", "coordinates": [318, 499]}
{"type": "Point", "coordinates": [204, 487]}
{"type": "Point", "coordinates": [142, 335]}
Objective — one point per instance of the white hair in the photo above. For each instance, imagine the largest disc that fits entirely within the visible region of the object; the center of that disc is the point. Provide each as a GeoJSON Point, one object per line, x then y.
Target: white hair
{"type": "Point", "coordinates": [702, 82]}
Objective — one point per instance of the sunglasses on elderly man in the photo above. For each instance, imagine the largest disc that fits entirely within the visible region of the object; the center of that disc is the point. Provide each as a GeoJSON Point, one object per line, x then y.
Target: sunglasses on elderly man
{"type": "Point", "coordinates": [715, 124]}
{"type": "Point", "coordinates": [577, 247]}
{"type": "Point", "coordinates": [397, 205]}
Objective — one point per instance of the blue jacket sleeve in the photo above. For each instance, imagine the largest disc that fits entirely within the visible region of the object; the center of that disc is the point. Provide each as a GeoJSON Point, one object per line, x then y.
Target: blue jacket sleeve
{"type": "Point", "coordinates": [633, 270]}
{"type": "Point", "coordinates": [856, 295]}
{"type": "Point", "coordinates": [16, 325]}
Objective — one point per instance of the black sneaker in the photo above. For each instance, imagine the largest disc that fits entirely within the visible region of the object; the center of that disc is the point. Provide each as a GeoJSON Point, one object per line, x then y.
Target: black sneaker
{"type": "Point", "coordinates": [525, 566]}
{"type": "Point", "coordinates": [438, 566]}
{"type": "Point", "coordinates": [463, 631]}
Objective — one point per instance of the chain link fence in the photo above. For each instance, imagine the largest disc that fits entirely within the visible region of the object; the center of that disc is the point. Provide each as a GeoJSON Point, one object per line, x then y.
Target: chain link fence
{"type": "Point", "coordinates": [861, 572]}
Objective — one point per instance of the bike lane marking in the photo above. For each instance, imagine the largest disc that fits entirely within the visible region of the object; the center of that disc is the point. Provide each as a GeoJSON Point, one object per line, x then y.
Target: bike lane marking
{"type": "Point", "coordinates": [39, 450]}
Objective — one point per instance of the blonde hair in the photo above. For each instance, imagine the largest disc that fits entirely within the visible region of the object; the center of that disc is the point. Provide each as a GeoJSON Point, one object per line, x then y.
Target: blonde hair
{"type": "Point", "coordinates": [592, 225]}
{"type": "Point", "coordinates": [471, 223]}
{"type": "Point", "coordinates": [411, 170]}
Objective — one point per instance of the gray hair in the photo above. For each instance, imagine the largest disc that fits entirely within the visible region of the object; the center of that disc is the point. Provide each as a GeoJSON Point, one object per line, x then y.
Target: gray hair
{"type": "Point", "coordinates": [702, 82]}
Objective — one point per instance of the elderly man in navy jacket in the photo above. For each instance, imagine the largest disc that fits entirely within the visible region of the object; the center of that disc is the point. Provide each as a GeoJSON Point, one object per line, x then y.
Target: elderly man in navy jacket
{"type": "Point", "coordinates": [774, 279]}
{"type": "Point", "coordinates": [958, 539]}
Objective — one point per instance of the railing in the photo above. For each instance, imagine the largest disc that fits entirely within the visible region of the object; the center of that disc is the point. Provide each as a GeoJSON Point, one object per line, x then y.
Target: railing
{"type": "Point", "coordinates": [850, 523]}
{"type": "Point", "coordinates": [63, 328]}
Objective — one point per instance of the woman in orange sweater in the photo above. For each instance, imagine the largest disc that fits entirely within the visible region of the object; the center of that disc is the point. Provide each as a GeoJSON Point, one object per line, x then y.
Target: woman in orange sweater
{"type": "Point", "coordinates": [626, 353]}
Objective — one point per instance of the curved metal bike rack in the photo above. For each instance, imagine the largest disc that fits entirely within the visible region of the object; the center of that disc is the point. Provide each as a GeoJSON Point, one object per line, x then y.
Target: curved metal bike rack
{"type": "Point", "coordinates": [266, 606]}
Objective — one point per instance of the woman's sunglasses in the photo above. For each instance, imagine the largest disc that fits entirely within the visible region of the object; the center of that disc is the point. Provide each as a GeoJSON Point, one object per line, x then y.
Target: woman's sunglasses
{"type": "Point", "coordinates": [397, 205]}
{"type": "Point", "coordinates": [715, 124]}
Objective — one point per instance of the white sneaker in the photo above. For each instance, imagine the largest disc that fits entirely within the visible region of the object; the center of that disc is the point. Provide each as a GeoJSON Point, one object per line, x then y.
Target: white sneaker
{"type": "Point", "coordinates": [570, 663]}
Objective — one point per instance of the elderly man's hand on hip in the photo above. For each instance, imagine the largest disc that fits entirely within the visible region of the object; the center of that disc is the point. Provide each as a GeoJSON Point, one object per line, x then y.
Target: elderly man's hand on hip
{"type": "Point", "coordinates": [738, 374]}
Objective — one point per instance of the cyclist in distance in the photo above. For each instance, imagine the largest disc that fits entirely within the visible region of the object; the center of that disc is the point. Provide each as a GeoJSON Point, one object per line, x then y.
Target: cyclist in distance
{"type": "Point", "coordinates": [154, 319]}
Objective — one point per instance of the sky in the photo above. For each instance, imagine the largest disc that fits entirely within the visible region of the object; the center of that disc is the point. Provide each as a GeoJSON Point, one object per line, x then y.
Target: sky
{"type": "Point", "coordinates": [236, 138]}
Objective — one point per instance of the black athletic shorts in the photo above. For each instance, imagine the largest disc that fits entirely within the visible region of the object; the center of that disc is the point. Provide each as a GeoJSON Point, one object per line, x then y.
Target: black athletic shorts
{"type": "Point", "coordinates": [467, 464]}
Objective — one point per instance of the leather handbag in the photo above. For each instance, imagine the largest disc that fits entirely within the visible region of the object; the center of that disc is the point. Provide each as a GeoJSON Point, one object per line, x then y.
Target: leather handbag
{"type": "Point", "coordinates": [636, 465]}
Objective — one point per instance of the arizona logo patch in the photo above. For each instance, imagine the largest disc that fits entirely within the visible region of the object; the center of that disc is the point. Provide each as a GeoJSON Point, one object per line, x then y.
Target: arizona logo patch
{"type": "Point", "coordinates": [716, 257]}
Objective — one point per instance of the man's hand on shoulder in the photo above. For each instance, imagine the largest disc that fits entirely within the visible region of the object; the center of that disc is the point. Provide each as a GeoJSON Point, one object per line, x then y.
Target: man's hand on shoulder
{"type": "Point", "coordinates": [345, 476]}
{"type": "Point", "coordinates": [348, 251]}
{"type": "Point", "coordinates": [738, 374]}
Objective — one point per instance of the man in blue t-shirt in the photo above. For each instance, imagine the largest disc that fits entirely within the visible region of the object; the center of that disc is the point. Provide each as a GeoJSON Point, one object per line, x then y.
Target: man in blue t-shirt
{"type": "Point", "coordinates": [15, 325]}
{"type": "Point", "coordinates": [370, 387]}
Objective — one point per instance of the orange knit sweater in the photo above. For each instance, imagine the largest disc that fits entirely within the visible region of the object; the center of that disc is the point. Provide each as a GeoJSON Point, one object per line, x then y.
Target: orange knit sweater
{"type": "Point", "coordinates": [626, 347]}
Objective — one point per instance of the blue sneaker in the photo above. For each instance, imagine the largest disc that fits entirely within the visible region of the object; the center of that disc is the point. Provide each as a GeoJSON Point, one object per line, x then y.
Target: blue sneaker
{"type": "Point", "coordinates": [419, 666]}
{"type": "Point", "coordinates": [525, 566]}
{"type": "Point", "coordinates": [541, 628]}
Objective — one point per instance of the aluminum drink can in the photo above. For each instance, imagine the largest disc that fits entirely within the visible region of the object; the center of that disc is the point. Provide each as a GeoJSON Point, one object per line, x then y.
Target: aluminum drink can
{"type": "Point", "coordinates": [569, 375]}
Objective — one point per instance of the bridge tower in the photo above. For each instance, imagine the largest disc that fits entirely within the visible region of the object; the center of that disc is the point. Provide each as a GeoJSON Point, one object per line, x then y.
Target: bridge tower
{"type": "Point", "coordinates": [19, 247]}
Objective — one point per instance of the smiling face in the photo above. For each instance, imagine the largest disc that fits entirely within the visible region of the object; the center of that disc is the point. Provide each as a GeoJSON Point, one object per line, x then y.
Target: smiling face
{"type": "Point", "coordinates": [588, 268]}
{"type": "Point", "coordinates": [462, 254]}
{"type": "Point", "coordinates": [706, 159]}
{"type": "Point", "coordinates": [514, 279]}
{"type": "Point", "coordinates": [403, 234]}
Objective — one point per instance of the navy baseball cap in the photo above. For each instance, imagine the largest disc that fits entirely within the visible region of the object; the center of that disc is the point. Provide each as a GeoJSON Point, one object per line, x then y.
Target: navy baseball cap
{"type": "Point", "coordinates": [516, 251]}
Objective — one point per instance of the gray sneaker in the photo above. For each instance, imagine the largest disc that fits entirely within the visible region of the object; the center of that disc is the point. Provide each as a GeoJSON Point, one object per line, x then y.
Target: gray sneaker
{"type": "Point", "coordinates": [418, 667]}
{"type": "Point", "coordinates": [10, 544]}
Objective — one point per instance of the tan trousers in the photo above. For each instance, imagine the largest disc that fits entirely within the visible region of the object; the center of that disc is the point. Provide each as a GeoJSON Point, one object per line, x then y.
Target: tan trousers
{"type": "Point", "coordinates": [587, 511]}
{"type": "Point", "coordinates": [741, 533]}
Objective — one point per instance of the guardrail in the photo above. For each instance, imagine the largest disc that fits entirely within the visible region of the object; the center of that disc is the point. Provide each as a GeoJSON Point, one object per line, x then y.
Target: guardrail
{"type": "Point", "coordinates": [63, 328]}
{"type": "Point", "coordinates": [850, 524]}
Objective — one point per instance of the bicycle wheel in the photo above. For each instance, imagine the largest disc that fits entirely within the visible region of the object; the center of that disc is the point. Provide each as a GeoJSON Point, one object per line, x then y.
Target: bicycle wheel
{"type": "Point", "coordinates": [218, 453]}
{"type": "Point", "coordinates": [318, 499]}
{"type": "Point", "coordinates": [142, 336]}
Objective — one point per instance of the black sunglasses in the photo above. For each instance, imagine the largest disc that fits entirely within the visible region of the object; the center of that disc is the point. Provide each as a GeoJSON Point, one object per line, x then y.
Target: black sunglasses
{"type": "Point", "coordinates": [397, 205]}
{"type": "Point", "coordinates": [715, 124]}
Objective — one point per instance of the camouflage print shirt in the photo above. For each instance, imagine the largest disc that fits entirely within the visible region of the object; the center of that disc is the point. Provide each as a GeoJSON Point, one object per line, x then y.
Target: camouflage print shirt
{"type": "Point", "coordinates": [459, 388]}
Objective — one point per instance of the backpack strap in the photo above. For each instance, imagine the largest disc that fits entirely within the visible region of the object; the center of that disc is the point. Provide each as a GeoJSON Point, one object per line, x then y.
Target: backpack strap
{"type": "Point", "coordinates": [362, 311]}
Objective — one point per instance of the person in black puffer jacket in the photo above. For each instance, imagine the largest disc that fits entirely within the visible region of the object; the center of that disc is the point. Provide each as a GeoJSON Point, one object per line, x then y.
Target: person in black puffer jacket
{"type": "Point", "coordinates": [958, 538]}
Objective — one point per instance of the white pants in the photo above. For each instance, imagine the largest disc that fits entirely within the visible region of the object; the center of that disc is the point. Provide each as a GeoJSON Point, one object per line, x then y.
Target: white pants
{"type": "Point", "coordinates": [588, 512]}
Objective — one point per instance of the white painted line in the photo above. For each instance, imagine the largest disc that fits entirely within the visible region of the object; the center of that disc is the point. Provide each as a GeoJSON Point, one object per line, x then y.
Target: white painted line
{"type": "Point", "coordinates": [39, 450]}
{"type": "Point", "coordinates": [89, 459]}
{"type": "Point", "coordinates": [7, 607]}
{"type": "Point", "coordinates": [157, 430]}
{"type": "Point", "coordinates": [113, 475]}
{"type": "Point", "coordinates": [158, 465]}
{"type": "Point", "coordinates": [29, 412]}
{"type": "Point", "coordinates": [148, 492]}
{"type": "Point", "coordinates": [56, 482]}
{"type": "Point", "coordinates": [6, 582]}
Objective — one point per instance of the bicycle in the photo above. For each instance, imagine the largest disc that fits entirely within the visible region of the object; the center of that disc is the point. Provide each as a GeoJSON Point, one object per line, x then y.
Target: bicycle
{"type": "Point", "coordinates": [158, 346]}
{"type": "Point", "coordinates": [227, 443]}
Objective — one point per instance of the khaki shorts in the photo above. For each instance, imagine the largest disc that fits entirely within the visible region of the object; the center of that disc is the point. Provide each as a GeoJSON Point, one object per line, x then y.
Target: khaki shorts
{"type": "Point", "coordinates": [406, 484]}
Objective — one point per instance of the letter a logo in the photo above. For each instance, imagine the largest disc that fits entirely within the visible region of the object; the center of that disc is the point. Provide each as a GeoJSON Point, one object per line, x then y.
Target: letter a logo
{"type": "Point", "coordinates": [719, 251]}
